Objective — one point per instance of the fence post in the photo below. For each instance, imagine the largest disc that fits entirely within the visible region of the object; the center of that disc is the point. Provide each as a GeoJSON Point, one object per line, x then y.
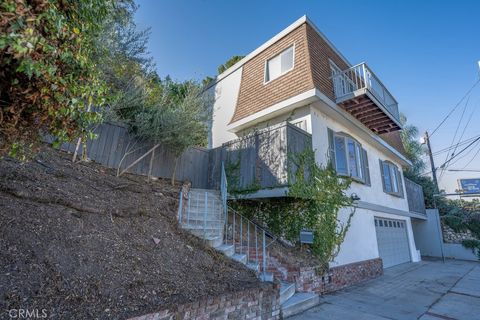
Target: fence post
{"type": "Point", "coordinates": [256, 246]}
{"type": "Point", "coordinates": [264, 258]}
{"type": "Point", "coordinates": [233, 232]}
{"type": "Point", "coordinates": [241, 233]}
{"type": "Point", "coordinates": [180, 209]}
{"type": "Point", "coordinates": [248, 241]}
{"type": "Point", "coordinates": [205, 217]}
{"type": "Point", "coordinates": [188, 212]}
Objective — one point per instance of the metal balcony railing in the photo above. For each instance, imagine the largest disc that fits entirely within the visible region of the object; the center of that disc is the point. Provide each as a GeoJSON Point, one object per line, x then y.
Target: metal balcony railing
{"type": "Point", "coordinates": [361, 78]}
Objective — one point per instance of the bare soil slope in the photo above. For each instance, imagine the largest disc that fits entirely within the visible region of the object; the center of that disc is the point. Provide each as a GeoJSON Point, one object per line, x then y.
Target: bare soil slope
{"type": "Point", "coordinates": [79, 242]}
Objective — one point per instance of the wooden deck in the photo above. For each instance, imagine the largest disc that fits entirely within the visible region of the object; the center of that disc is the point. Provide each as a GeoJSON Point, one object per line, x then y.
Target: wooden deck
{"type": "Point", "coordinates": [364, 108]}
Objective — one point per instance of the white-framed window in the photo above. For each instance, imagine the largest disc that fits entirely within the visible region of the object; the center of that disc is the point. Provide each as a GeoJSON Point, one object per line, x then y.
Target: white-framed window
{"type": "Point", "coordinates": [348, 157]}
{"type": "Point", "coordinates": [391, 178]}
{"type": "Point", "coordinates": [302, 124]}
{"type": "Point", "coordinates": [280, 64]}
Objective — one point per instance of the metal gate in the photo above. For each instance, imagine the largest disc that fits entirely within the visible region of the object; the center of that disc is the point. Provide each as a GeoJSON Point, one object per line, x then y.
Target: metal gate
{"type": "Point", "coordinates": [392, 241]}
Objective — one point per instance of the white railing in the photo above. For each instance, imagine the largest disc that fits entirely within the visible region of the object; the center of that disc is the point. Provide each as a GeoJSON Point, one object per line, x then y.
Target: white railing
{"type": "Point", "coordinates": [244, 234]}
{"type": "Point", "coordinates": [360, 77]}
{"type": "Point", "coordinates": [249, 239]}
{"type": "Point", "coordinates": [223, 190]}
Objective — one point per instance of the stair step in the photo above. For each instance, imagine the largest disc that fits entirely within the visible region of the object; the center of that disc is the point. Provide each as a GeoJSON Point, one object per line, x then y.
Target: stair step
{"type": "Point", "coordinates": [298, 303]}
{"type": "Point", "coordinates": [287, 290]}
{"type": "Point", "coordinates": [201, 213]}
{"type": "Point", "coordinates": [205, 190]}
{"type": "Point", "coordinates": [240, 257]}
{"type": "Point", "coordinates": [206, 235]}
{"type": "Point", "coordinates": [201, 209]}
{"type": "Point", "coordinates": [266, 276]}
{"type": "Point", "coordinates": [214, 241]}
{"type": "Point", "coordinates": [255, 266]}
{"type": "Point", "coordinates": [202, 218]}
{"type": "Point", "coordinates": [192, 222]}
{"type": "Point", "coordinates": [227, 249]}
{"type": "Point", "coordinates": [198, 226]}
{"type": "Point", "coordinates": [213, 194]}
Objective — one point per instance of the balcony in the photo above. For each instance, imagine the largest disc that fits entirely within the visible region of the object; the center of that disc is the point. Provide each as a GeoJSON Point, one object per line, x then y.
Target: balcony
{"type": "Point", "coordinates": [259, 165]}
{"type": "Point", "coordinates": [359, 91]}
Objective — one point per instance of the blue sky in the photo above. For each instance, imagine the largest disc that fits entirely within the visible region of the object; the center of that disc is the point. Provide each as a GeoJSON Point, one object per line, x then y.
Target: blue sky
{"type": "Point", "coordinates": [426, 52]}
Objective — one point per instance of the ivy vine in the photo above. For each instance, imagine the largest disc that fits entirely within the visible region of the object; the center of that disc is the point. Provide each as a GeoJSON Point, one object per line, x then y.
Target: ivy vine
{"type": "Point", "coordinates": [316, 196]}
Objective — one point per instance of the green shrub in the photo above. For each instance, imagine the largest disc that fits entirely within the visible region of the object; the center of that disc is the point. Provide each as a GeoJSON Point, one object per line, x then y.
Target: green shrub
{"type": "Point", "coordinates": [472, 244]}
{"type": "Point", "coordinates": [455, 222]}
{"type": "Point", "coordinates": [314, 201]}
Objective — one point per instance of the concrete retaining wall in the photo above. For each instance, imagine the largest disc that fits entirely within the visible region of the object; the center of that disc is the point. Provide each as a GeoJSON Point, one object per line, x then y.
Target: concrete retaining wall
{"type": "Point", "coordinates": [429, 239]}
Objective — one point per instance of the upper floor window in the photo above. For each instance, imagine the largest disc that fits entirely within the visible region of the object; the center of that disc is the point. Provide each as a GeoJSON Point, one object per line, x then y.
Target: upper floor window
{"type": "Point", "coordinates": [348, 157]}
{"type": "Point", "coordinates": [280, 64]}
{"type": "Point", "coordinates": [391, 178]}
{"type": "Point", "coordinates": [302, 124]}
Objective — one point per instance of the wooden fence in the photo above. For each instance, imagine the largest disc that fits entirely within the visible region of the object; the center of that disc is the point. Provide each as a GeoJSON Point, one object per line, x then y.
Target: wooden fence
{"type": "Point", "coordinates": [260, 160]}
{"type": "Point", "coordinates": [116, 148]}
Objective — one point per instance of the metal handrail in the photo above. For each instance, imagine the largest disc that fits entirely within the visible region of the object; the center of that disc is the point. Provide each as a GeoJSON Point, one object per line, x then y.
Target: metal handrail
{"type": "Point", "coordinates": [268, 233]}
{"type": "Point", "coordinates": [242, 219]}
{"type": "Point", "coordinates": [362, 77]}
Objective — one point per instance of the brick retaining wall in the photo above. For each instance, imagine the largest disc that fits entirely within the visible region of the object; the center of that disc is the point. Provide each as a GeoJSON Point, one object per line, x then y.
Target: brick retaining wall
{"type": "Point", "coordinates": [259, 303]}
{"type": "Point", "coordinates": [338, 277]}
{"type": "Point", "coordinates": [307, 279]}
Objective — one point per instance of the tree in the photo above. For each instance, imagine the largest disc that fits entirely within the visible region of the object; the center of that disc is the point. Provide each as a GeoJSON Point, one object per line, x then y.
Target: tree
{"type": "Point", "coordinates": [48, 74]}
{"type": "Point", "coordinates": [415, 152]}
{"type": "Point", "coordinates": [128, 68]}
{"type": "Point", "coordinates": [178, 119]}
{"type": "Point", "coordinates": [230, 62]}
{"type": "Point", "coordinates": [412, 146]}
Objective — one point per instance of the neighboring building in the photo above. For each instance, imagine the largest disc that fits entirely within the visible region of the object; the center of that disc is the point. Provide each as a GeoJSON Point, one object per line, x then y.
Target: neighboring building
{"type": "Point", "coordinates": [469, 188]}
{"type": "Point", "coordinates": [298, 76]}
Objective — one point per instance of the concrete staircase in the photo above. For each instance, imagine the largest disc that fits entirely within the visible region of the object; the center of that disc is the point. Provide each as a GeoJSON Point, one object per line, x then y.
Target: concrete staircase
{"type": "Point", "coordinates": [202, 214]}
{"type": "Point", "coordinates": [292, 302]}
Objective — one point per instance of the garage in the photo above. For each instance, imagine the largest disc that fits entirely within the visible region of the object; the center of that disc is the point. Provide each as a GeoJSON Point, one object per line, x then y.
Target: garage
{"type": "Point", "coordinates": [392, 241]}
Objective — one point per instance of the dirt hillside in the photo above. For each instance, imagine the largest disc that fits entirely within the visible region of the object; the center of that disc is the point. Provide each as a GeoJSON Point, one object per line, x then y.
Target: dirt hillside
{"type": "Point", "coordinates": [81, 243]}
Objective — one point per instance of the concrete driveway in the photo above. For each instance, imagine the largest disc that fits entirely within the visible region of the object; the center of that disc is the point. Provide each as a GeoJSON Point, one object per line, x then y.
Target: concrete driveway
{"type": "Point", "coordinates": [428, 290]}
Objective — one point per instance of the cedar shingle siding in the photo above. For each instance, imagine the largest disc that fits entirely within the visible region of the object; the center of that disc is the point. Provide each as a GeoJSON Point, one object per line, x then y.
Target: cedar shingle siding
{"type": "Point", "coordinates": [255, 96]}
{"type": "Point", "coordinates": [311, 70]}
{"type": "Point", "coordinates": [320, 54]}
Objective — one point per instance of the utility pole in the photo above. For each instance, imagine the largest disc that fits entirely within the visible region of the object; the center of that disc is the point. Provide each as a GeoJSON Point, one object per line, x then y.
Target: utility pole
{"type": "Point", "coordinates": [434, 176]}
{"type": "Point", "coordinates": [432, 164]}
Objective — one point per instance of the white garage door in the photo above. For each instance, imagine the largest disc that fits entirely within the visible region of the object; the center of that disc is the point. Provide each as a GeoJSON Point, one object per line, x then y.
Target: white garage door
{"type": "Point", "coordinates": [392, 241]}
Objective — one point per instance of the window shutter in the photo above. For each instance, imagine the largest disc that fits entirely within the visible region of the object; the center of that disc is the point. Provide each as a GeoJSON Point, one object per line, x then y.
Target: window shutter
{"type": "Point", "coordinates": [366, 172]}
{"type": "Point", "coordinates": [331, 149]}
{"type": "Point", "coordinates": [400, 183]}
{"type": "Point", "coordinates": [383, 175]}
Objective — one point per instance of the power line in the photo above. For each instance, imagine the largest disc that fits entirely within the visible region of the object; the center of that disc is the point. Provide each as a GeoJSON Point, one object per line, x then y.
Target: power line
{"type": "Point", "coordinates": [453, 157]}
{"type": "Point", "coordinates": [465, 128]}
{"type": "Point", "coordinates": [466, 155]}
{"type": "Point", "coordinates": [473, 158]}
{"type": "Point", "coordinates": [461, 143]}
{"type": "Point", "coordinates": [455, 107]}
{"type": "Point", "coordinates": [455, 135]}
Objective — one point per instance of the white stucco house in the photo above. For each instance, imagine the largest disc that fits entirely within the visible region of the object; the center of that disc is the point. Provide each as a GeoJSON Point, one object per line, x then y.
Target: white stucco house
{"type": "Point", "coordinates": [299, 77]}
